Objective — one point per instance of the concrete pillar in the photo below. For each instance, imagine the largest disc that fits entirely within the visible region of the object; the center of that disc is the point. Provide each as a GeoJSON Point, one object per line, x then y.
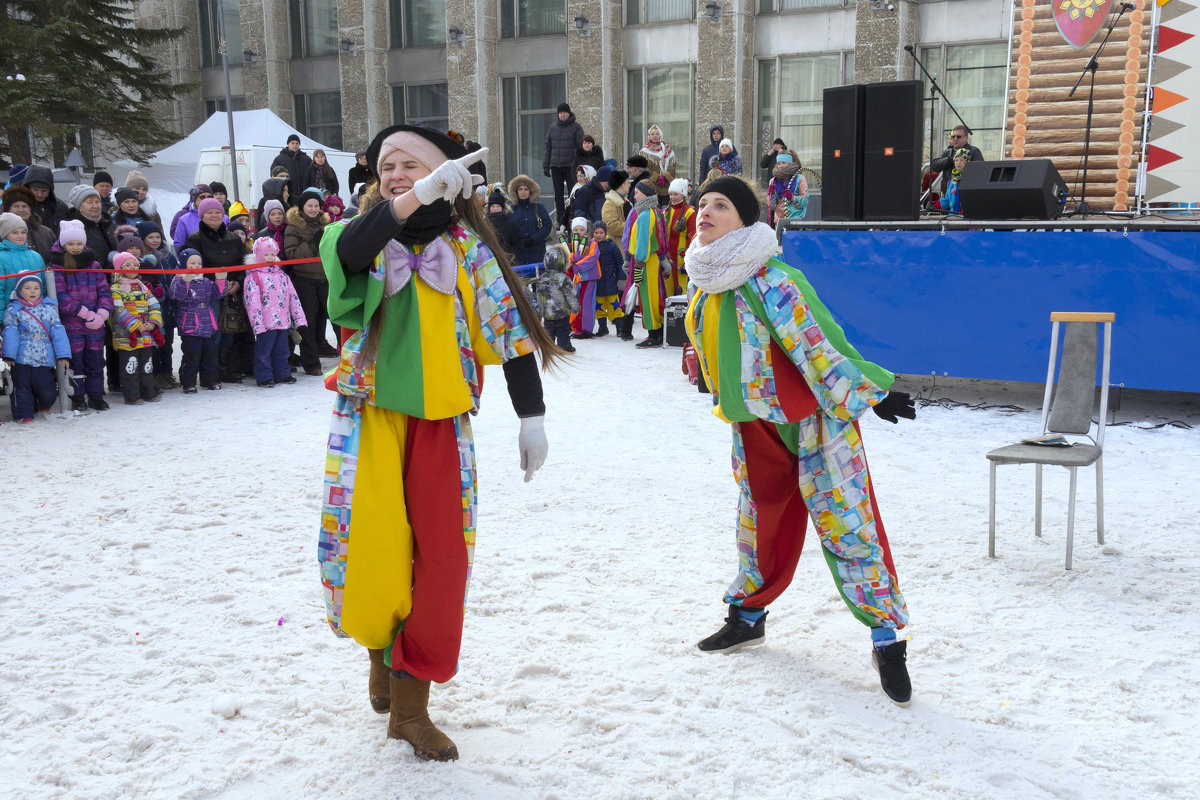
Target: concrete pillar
{"type": "Point", "coordinates": [725, 77]}
{"type": "Point", "coordinates": [185, 111]}
{"type": "Point", "coordinates": [595, 85]}
{"type": "Point", "coordinates": [266, 31]}
{"type": "Point", "coordinates": [472, 75]}
{"type": "Point", "coordinates": [353, 69]}
{"type": "Point", "coordinates": [882, 29]}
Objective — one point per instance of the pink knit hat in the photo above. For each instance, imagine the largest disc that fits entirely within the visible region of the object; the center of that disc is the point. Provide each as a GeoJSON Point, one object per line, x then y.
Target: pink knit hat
{"type": "Point", "coordinates": [264, 246]}
{"type": "Point", "coordinates": [122, 261]}
{"type": "Point", "coordinates": [209, 204]}
{"type": "Point", "coordinates": [71, 230]}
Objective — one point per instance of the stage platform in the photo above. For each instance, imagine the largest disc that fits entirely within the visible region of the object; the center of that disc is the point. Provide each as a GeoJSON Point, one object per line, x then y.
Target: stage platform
{"type": "Point", "coordinates": [972, 298]}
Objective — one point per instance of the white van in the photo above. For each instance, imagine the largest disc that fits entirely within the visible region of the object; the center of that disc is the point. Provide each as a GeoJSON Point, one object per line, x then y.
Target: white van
{"type": "Point", "coordinates": [254, 167]}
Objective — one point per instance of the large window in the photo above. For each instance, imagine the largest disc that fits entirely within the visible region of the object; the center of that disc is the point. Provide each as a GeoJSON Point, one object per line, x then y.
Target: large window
{"type": "Point", "coordinates": [767, 6]}
{"type": "Point", "coordinates": [532, 18]}
{"type": "Point", "coordinates": [213, 106]}
{"type": "Point", "coordinates": [790, 101]}
{"type": "Point", "coordinates": [643, 11]}
{"type": "Point", "coordinates": [427, 104]}
{"type": "Point", "coordinates": [661, 96]}
{"type": "Point", "coordinates": [212, 14]}
{"type": "Point", "coordinates": [529, 108]}
{"type": "Point", "coordinates": [314, 28]}
{"type": "Point", "coordinates": [417, 23]}
{"type": "Point", "coordinates": [974, 77]}
{"type": "Point", "coordinates": [319, 116]}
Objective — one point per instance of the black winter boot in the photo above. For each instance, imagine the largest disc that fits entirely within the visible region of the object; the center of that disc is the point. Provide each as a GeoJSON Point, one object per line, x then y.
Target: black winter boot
{"type": "Point", "coordinates": [97, 402]}
{"type": "Point", "coordinates": [735, 634]}
{"type": "Point", "coordinates": [893, 672]}
{"type": "Point", "coordinates": [653, 338]}
{"type": "Point", "coordinates": [602, 327]}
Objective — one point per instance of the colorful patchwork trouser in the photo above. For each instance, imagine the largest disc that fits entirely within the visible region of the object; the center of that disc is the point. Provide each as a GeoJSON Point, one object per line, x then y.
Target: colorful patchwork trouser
{"type": "Point", "coordinates": [396, 548]}
{"type": "Point", "coordinates": [816, 467]}
{"type": "Point", "coordinates": [584, 321]}
{"type": "Point", "coordinates": [650, 291]}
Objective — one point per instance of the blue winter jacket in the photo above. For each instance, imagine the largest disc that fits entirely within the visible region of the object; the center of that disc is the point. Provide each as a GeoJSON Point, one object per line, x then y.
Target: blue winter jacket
{"type": "Point", "coordinates": [16, 258]}
{"type": "Point", "coordinates": [611, 271]}
{"type": "Point", "coordinates": [33, 334]}
{"type": "Point", "coordinates": [530, 225]}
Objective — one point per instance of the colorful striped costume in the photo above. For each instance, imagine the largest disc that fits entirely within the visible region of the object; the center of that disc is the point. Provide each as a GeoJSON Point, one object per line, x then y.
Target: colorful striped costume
{"type": "Point", "coordinates": [782, 372]}
{"type": "Point", "coordinates": [684, 216]}
{"type": "Point", "coordinates": [644, 235]}
{"type": "Point", "coordinates": [400, 468]}
{"type": "Point", "coordinates": [585, 264]}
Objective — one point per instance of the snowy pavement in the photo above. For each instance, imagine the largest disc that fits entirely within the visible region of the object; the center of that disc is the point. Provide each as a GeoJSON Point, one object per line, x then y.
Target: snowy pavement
{"type": "Point", "coordinates": [165, 637]}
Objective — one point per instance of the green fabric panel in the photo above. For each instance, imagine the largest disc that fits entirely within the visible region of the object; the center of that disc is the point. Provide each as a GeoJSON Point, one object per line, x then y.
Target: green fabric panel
{"type": "Point", "coordinates": [862, 616]}
{"type": "Point", "coordinates": [729, 363]}
{"type": "Point", "coordinates": [352, 298]}
{"type": "Point", "coordinates": [832, 330]}
{"type": "Point", "coordinates": [789, 434]}
{"type": "Point", "coordinates": [399, 376]}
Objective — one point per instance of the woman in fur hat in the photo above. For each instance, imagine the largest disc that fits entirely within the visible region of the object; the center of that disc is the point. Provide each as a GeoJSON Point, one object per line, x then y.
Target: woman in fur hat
{"type": "Point", "coordinates": [421, 280]}
{"type": "Point", "coordinates": [784, 376]}
{"type": "Point", "coordinates": [529, 223]}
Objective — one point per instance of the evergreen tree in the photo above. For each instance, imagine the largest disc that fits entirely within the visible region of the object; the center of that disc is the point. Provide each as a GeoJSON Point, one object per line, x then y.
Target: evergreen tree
{"type": "Point", "coordinates": [85, 68]}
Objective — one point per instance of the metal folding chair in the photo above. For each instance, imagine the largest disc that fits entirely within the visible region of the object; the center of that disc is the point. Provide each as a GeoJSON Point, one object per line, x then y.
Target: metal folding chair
{"type": "Point", "coordinates": [1070, 412]}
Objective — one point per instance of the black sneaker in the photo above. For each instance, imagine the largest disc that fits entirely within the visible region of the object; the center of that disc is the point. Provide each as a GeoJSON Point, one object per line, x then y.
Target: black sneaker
{"type": "Point", "coordinates": [189, 390]}
{"type": "Point", "coordinates": [288, 379]}
{"type": "Point", "coordinates": [735, 634]}
{"type": "Point", "coordinates": [97, 402]}
{"type": "Point", "coordinates": [267, 385]}
{"type": "Point", "coordinates": [893, 673]}
{"type": "Point", "coordinates": [79, 403]}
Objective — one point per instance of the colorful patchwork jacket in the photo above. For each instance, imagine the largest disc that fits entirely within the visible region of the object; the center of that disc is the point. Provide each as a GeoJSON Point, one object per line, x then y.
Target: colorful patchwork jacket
{"type": "Point", "coordinates": [771, 350]}
{"type": "Point", "coordinates": [134, 305]}
{"type": "Point", "coordinates": [433, 345]}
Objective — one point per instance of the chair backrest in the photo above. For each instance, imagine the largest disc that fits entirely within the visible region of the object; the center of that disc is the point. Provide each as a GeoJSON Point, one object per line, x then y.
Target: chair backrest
{"type": "Point", "coordinates": [1074, 400]}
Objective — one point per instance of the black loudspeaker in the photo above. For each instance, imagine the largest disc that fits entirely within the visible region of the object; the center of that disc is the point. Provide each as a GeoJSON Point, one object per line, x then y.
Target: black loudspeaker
{"type": "Point", "coordinates": [841, 153]}
{"type": "Point", "coordinates": [1028, 188]}
{"type": "Point", "coordinates": [892, 151]}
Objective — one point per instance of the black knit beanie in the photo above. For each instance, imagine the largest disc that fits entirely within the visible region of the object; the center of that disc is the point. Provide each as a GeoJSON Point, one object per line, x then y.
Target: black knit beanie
{"type": "Point", "coordinates": [101, 177]}
{"type": "Point", "coordinates": [741, 195]}
{"type": "Point", "coordinates": [646, 189]}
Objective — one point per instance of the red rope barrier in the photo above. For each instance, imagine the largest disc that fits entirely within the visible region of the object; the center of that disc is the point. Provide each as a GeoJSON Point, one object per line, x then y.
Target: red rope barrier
{"type": "Point", "coordinates": [180, 271]}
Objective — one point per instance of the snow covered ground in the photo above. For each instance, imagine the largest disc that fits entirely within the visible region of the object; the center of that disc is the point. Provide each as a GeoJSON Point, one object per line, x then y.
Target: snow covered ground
{"type": "Point", "coordinates": [164, 631]}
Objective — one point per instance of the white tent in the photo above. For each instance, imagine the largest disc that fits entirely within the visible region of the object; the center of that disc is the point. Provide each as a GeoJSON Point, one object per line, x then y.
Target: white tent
{"type": "Point", "coordinates": [173, 168]}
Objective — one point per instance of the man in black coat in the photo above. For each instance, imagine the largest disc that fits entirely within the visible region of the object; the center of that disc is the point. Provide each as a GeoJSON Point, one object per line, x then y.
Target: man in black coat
{"type": "Point", "coordinates": [959, 138]}
{"type": "Point", "coordinates": [51, 210]}
{"type": "Point", "coordinates": [563, 138]}
{"type": "Point", "coordinates": [296, 162]}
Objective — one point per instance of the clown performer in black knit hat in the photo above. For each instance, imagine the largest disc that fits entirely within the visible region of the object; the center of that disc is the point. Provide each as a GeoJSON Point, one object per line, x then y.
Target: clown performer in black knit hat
{"type": "Point", "coordinates": [420, 279]}
{"type": "Point", "coordinates": [792, 388]}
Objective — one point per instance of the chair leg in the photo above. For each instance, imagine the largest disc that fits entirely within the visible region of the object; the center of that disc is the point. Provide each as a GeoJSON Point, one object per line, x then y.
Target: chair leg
{"type": "Point", "coordinates": [1037, 501]}
{"type": "Point", "coordinates": [1071, 516]}
{"type": "Point", "coordinates": [1100, 500]}
{"type": "Point", "coordinates": [992, 511]}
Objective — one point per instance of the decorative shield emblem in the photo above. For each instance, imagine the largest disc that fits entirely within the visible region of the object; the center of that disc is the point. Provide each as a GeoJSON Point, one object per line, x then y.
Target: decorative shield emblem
{"type": "Point", "coordinates": [1080, 20]}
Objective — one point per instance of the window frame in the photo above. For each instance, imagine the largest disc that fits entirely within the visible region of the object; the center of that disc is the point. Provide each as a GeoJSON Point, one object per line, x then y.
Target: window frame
{"type": "Point", "coordinates": [300, 107]}
{"type": "Point", "coordinates": [297, 28]}
{"type": "Point", "coordinates": [402, 118]}
{"type": "Point", "coordinates": [845, 73]}
{"type": "Point", "coordinates": [513, 7]}
{"type": "Point", "coordinates": [643, 22]}
{"type": "Point", "coordinates": [209, 30]}
{"type": "Point", "coordinates": [510, 138]}
{"type": "Point", "coordinates": [832, 5]}
{"type": "Point", "coordinates": [944, 119]}
{"type": "Point", "coordinates": [397, 20]}
{"type": "Point", "coordinates": [683, 166]}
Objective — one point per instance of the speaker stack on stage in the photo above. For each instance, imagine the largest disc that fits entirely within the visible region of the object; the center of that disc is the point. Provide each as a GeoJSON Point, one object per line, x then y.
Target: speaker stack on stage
{"type": "Point", "coordinates": [1029, 188]}
{"type": "Point", "coordinates": [871, 151]}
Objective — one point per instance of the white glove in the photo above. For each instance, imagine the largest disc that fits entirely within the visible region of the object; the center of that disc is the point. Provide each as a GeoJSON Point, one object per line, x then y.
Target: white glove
{"type": "Point", "coordinates": [449, 179]}
{"type": "Point", "coordinates": [533, 445]}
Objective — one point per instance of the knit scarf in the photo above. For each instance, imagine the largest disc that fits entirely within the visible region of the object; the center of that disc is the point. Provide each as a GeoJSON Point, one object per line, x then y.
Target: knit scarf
{"type": "Point", "coordinates": [426, 223]}
{"type": "Point", "coordinates": [643, 204]}
{"type": "Point", "coordinates": [731, 260]}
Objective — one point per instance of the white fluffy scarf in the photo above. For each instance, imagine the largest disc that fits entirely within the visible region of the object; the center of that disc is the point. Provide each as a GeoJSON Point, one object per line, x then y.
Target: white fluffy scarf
{"type": "Point", "coordinates": [731, 260]}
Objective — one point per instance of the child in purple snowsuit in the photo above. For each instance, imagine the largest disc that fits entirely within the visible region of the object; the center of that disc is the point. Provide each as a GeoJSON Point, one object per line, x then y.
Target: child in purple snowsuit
{"type": "Point", "coordinates": [273, 307]}
{"type": "Point", "coordinates": [84, 304]}
{"type": "Point", "coordinates": [194, 296]}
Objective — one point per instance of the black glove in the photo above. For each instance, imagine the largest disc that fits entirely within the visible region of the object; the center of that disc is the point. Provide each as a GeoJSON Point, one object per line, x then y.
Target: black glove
{"type": "Point", "coordinates": [893, 405]}
{"type": "Point", "coordinates": [546, 172]}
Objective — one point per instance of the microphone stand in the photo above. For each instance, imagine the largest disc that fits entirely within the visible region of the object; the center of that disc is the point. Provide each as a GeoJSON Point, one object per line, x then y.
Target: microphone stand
{"type": "Point", "coordinates": [1081, 207]}
{"type": "Point", "coordinates": [934, 91]}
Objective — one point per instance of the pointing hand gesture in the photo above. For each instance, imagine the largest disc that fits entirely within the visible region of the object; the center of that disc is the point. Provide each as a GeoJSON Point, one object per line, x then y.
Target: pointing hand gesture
{"type": "Point", "coordinates": [449, 179]}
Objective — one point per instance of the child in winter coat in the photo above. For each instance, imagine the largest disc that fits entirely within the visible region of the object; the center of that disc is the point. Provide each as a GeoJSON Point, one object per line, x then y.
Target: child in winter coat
{"type": "Point", "coordinates": [153, 244]}
{"type": "Point", "coordinates": [84, 303]}
{"type": "Point", "coordinates": [274, 308]}
{"type": "Point", "coordinates": [16, 254]}
{"type": "Point", "coordinates": [34, 340]}
{"type": "Point", "coordinates": [556, 296]}
{"type": "Point", "coordinates": [276, 222]}
{"type": "Point", "coordinates": [950, 200]}
{"type": "Point", "coordinates": [136, 326]}
{"type": "Point", "coordinates": [334, 207]}
{"type": "Point", "coordinates": [194, 295]}
{"type": "Point", "coordinates": [585, 267]}
{"type": "Point", "coordinates": [608, 293]}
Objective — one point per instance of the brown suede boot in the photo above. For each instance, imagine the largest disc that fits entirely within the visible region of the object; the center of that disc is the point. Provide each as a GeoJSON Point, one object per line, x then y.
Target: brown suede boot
{"type": "Point", "coordinates": [410, 721]}
{"type": "Point", "coordinates": [377, 686]}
